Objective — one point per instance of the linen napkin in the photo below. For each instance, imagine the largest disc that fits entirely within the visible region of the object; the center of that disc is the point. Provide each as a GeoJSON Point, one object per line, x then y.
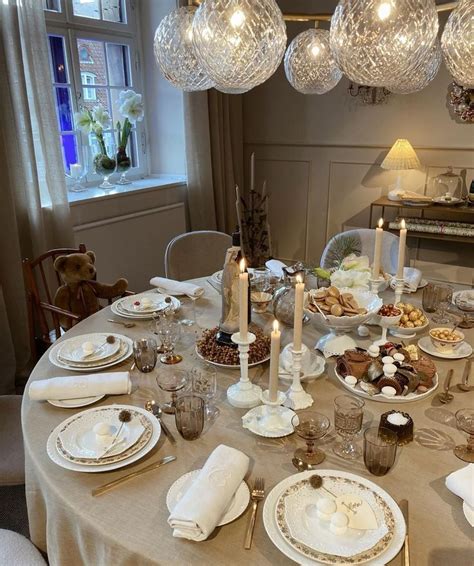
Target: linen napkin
{"type": "Point", "coordinates": [78, 386]}
{"type": "Point", "coordinates": [276, 267]}
{"type": "Point", "coordinates": [412, 278]}
{"type": "Point", "coordinates": [203, 505]}
{"type": "Point", "coordinates": [461, 483]}
{"type": "Point", "coordinates": [171, 286]}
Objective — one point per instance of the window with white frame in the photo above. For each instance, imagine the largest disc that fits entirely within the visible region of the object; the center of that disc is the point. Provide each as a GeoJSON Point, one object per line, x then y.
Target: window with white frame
{"type": "Point", "coordinates": [93, 57]}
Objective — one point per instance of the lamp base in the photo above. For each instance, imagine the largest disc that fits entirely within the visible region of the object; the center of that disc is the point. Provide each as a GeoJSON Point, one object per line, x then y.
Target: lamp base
{"type": "Point", "coordinates": [395, 195]}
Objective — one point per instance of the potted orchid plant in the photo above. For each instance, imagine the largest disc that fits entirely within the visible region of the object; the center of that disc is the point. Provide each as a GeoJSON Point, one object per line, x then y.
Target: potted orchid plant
{"type": "Point", "coordinates": [131, 108]}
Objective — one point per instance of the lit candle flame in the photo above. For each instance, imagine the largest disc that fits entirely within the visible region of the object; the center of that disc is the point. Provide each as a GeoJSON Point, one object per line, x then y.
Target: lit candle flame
{"type": "Point", "coordinates": [242, 265]}
{"type": "Point", "coordinates": [380, 224]}
{"type": "Point", "coordinates": [276, 326]}
{"type": "Point", "coordinates": [402, 224]}
{"type": "Point", "coordinates": [299, 279]}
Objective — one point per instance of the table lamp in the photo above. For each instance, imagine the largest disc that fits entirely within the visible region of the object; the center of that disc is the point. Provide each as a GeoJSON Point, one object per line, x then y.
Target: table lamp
{"type": "Point", "coordinates": [401, 157]}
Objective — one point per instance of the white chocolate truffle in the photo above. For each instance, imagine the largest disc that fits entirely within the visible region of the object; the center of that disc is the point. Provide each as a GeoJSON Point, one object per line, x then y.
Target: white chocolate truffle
{"type": "Point", "coordinates": [339, 522]}
{"type": "Point", "coordinates": [398, 357]}
{"type": "Point", "coordinates": [389, 370]}
{"type": "Point", "coordinates": [326, 508]}
{"type": "Point", "coordinates": [88, 348]}
{"type": "Point", "coordinates": [373, 351]}
{"type": "Point", "coordinates": [387, 360]}
{"type": "Point", "coordinates": [363, 331]}
{"type": "Point", "coordinates": [351, 380]}
{"type": "Point", "coordinates": [102, 429]}
{"type": "Point", "coordinates": [397, 419]}
{"type": "Point", "coordinates": [389, 391]}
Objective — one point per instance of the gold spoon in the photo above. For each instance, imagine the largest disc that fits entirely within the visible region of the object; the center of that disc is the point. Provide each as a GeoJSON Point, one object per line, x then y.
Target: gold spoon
{"type": "Point", "coordinates": [446, 397]}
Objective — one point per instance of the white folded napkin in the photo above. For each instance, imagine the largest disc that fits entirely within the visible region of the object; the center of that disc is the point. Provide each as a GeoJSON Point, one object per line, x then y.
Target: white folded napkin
{"type": "Point", "coordinates": [276, 266]}
{"type": "Point", "coordinates": [78, 386]}
{"type": "Point", "coordinates": [203, 505]}
{"type": "Point", "coordinates": [412, 278]}
{"type": "Point", "coordinates": [171, 286]}
{"type": "Point", "coordinates": [461, 483]}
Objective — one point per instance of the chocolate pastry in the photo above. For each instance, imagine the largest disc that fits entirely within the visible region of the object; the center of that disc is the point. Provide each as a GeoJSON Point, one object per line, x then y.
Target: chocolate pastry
{"type": "Point", "coordinates": [390, 382]}
{"type": "Point", "coordinates": [426, 370]}
{"type": "Point", "coordinates": [353, 363]}
{"type": "Point", "coordinates": [400, 423]}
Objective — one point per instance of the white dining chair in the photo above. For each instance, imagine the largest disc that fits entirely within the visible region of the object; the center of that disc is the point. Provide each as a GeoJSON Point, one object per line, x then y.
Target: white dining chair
{"type": "Point", "coordinates": [361, 242]}
{"type": "Point", "coordinates": [17, 550]}
{"type": "Point", "coordinates": [12, 462]}
{"type": "Point", "coordinates": [196, 254]}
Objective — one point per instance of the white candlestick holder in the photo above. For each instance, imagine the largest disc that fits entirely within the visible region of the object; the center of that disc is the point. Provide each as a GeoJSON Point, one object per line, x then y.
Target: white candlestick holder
{"type": "Point", "coordinates": [399, 286]}
{"type": "Point", "coordinates": [375, 286]}
{"type": "Point", "coordinates": [244, 394]}
{"type": "Point", "coordinates": [273, 416]}
{"type": "Point", "coordinates": [296, 396]}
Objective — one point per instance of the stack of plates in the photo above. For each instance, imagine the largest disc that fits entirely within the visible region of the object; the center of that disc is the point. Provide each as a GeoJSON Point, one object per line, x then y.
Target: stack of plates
{"type": "Point", "coordinates": [75, 446]}
{"type": "Point", "coordinates": [295, 529]}
{"type": "Point", "coordinates": [144, 305]}
{"type": "Point", "coordinates": [69, 354]}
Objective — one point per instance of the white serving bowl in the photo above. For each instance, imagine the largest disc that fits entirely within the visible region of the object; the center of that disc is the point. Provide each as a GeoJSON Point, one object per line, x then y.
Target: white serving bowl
{"type": "Point", "coordinates": [400, 330]}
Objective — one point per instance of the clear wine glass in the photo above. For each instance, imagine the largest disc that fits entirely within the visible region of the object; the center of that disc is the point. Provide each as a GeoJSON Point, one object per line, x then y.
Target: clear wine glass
{"type": "Point", "coordinates": [348, 415]}
{"type": "Point", "coordinates": [172, 381]}
{"type": "Point", "coordinates": [203, 379]}
{"type": "Point", "coordinates": [169, 331]}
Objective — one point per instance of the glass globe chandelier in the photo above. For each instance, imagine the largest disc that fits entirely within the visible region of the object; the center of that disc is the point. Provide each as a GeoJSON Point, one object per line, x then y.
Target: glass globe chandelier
{"type": "Point", "coordinates": [456, 43]}
{"type": "Point", "coordinates": [309, 64]}
{"type": "Point", "coordinates": [239, 43]}
{"type": "Point", "coordinates": [422, 74]}
{"type": "Point", "coordinates": [174, 51]}
{"type": "Point", "coordinates": [377, 42]}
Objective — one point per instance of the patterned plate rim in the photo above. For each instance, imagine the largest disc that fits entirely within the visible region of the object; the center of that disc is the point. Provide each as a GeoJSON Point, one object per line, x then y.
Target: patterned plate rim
{"type": "Point", "coordinates": [121, 351]}
{"type": "Point", "coordinates": [89, 358]}
{"type": "Point", "coordinates": [334, 559]}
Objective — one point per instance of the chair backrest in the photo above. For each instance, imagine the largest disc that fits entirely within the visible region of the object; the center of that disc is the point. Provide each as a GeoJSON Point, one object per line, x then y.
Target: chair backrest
{"type": "Point", "coordinates": [361, 242]}
{"type": "Point", "coordinates": [39, 278]}
{"type": "Point", "coordinates": [196, 254]}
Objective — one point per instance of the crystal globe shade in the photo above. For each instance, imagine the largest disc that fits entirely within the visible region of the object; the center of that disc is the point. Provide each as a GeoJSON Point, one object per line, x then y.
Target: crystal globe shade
{"type": "Point", "coordinates": [239, 43]}
{"type": "Point", "coordinates": [375, 42]}
{"type": "Point", "coordinates": [457, 43]}
{"type": "Point", "coordinates": [422, 75]}
{"type": "Point", "coordinates": [174, 51]}
{"type": "Point", "coordinates": [309, 64]}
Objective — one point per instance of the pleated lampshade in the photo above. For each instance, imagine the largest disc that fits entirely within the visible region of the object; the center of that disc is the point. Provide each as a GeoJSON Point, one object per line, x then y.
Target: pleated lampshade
{"type": "Point", "coordinates": [402, 156]}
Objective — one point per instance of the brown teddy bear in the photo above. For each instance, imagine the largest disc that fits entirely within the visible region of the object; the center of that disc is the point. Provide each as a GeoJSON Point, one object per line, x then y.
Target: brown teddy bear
{"type": "Point", "coordinates": [80, 292]}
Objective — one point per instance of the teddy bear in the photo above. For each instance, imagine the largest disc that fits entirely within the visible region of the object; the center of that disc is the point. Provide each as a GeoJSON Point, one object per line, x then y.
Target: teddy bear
{"type": "Point", "coordinates": [80, 293]}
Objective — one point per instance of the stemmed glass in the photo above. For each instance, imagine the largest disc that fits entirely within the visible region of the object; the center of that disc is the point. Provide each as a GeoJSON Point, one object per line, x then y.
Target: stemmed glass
{"type": "Point", "coordinates": [310, 426]}
{"type": "Point", "coordinates": [203, 379]}
{"type": "Point", "coordinates": [436, 299]}
{"type": "Point", "coordinates": [154, 326]}
{"type": "Point", "coordinates": [171, 381]}
{"type": "Point", "coordinates": [465, 422]}
{"type": "Point", "coordinates": [348, 415]}
{"type": "Point", "coordinates": [169, 331]}
{"type": "Point", "coordinates": [105, 164]}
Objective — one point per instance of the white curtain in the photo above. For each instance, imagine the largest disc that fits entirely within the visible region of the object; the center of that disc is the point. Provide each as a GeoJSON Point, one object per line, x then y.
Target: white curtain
{"type": "Point", "coordinates": [34, 209]}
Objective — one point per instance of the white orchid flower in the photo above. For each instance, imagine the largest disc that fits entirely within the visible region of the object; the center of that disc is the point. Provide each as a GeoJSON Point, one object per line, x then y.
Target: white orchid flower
{"type": "Point", "coordinates": [132, 108]}
{"type": "Point", "coordinates": [83, 121]}
{"type": "Point", "coordinates": [101, 116]}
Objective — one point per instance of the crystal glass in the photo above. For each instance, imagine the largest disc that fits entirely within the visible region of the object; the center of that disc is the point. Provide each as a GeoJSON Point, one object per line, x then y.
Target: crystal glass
{"type": "Point", "coordinates": [189, 321]}
{"type": "Point", "coordinates": [434, 294]}
{"type": "Point", "coordinates": [174, 52]}
{"type": "Point", "coordinates": [309, 64]}
{"type": "Point", "coordinates": [203, 379]}
{"type": "Point", "coordinates": [465, 422]}
{"type": "Point", "coordinates": [375, 42]}
{"type": "Point", "coordinates": [78, 172]}
{"type": "Point", "coordinates": [421, 76]}
{"type": "Point", "coordinates": [239, 43]}
{"type": "Point", "coordinates": [105, 163]}
{"type": "Point", "coordinates": [145, 354]}
{"type": "Point", "coordinates": [123, 166]}
{"type": "Point", "coordinates": [310, 426]}
{"type": "Point", "coordinates": [169, 331]}
{"type": "Point", "coordinates": [380, 449]}
{"type": "Point", "coordinates": [348, 415]}
{"type": "Point", "coordinates": [456, 43]}
{"type": "Point", "coordinates": [189, 416]}
{"type": "Point", "coordinates": [154, 329]}
{"type": "Point", "coordinates": [172, 381]}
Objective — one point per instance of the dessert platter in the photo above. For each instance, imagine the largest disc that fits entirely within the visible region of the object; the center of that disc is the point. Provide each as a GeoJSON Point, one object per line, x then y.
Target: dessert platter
{"type": "Point", "coordinates": [144, 306]}
{"type": "Point", "coordinates": [390, 373]}
{"type": "Point", "coordinates": [366, 526]}
{"type": "Point", "coordinates": [226, 356]}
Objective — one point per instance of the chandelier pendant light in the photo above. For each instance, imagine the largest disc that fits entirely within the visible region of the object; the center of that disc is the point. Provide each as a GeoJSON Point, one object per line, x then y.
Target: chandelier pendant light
{"type": "Point", "coordinates": [378, 42]}
{"type": "Point", "coordinates": [239, 43]}
{"type": "Point", "coordinates": [309, 64]}
{"type": "Point", "coordinates": [174, 52]}
{"type": "Point", "coordinates": [422, 74]}
{"type": "Point", "coordinates": [457, 43]}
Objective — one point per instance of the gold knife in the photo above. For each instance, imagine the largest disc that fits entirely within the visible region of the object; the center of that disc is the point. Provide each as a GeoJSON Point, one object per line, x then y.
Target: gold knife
{"type": "Point", "coordinates": [103, 488]}
{"type": "Point", "coordinates": [406, 548]}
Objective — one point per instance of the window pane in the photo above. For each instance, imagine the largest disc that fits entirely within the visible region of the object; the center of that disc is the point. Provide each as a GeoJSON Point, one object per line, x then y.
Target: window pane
{"type": "Point", "coordinates": [58, 58]}
{"type": "Point", "coordinates": [69, 146]}
{"type": "Point", "coordinates": [113, 11]}
{"type": "Point", "coordinates": [86, 8]}
{"type": "Point", "coordinates": [64, 109]}
{"type": "Point", "coordinates": [92, 59]}
{"type": "Point", "coordinates": [52, 5]}
{"type": "Point", "coordinates": [118, 62]}
{"type": "Point", "coordinates": [92, 96]}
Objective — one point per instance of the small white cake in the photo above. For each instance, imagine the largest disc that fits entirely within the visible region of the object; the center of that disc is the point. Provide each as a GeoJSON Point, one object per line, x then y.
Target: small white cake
{"type": "Point", "coordinates": [339, 523]}
{"type": "Point", "coordinates": [326, 508]}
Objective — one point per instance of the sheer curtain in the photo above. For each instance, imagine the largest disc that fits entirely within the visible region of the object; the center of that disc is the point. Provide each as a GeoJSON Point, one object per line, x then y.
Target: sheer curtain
{"type": "Point", "coordinates": [34, 211]}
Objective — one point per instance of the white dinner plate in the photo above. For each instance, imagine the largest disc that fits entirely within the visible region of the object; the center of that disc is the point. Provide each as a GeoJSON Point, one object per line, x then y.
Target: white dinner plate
{"type": "Point", "coordinates": [56, 457]}
{"type": "Point", "coordinates": [443, 200]}
{"type": "Point", "coordinates": [387, 398]}
{"type": "Point", "coordinates": [237, 505]}
{"type": "Point", "coordinates": [271, 527]}
{"type": "Point", "coordinates": [464, 350]}
{"type": "Point", "coordinates": [75, 403]}
{"type": "Point", "coordinates": [119, 310]}
{"type": "Point", "coordinates": [71, 349]}
{"type": "Point", "coordinates": [230, 366]}
{"type": "Point", "coordinates": [156, 300]}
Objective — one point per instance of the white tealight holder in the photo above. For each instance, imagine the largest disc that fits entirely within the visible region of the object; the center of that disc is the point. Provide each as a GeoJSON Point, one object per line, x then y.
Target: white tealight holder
{"type": "Point", "coordinates": [244, 394]}
{"type": "Point", "coordinates": [399, 286]}
{"type": "Point", "coordinates": [296, 396]}
{"type": "Point", "coordinates": [273, 415]}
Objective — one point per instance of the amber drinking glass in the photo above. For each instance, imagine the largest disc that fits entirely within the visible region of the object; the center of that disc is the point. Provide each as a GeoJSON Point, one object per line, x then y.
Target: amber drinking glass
{"type": "Point", "coordinates": [380, 449]}
{"type": "Point", "coordinates": [189, 415]}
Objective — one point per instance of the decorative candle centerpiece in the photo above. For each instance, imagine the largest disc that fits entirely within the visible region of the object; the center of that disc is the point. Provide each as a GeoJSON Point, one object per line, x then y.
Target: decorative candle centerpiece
{"type": "Point", "coordinates": [399, 281]}
{"type": "Point", "coordinates": [244, 394]}
{"type": "Point", "coordinates": [375, 275]}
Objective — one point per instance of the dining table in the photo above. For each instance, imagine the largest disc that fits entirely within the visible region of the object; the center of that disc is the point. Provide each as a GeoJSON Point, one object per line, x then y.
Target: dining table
{"type": "Point", "coordinates": [128, 525]}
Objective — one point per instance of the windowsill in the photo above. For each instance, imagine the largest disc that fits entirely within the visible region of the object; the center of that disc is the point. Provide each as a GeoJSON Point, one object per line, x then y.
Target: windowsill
{"type": "Point", "coordinates": [149, 183]}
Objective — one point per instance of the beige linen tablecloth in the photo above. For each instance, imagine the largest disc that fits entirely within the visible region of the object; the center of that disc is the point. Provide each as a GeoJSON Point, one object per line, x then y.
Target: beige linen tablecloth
{"type": "Point", "coordinates": [127, 526]}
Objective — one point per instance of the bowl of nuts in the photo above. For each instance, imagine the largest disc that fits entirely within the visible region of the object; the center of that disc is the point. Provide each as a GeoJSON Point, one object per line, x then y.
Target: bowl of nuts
{"type": "Point", "coordinates": [412, 321]}
{"type": "Point", "coordinates": [446, 340]}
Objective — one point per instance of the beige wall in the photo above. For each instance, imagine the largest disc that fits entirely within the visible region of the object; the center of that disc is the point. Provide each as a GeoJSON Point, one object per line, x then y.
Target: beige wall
{"type": "Point", "coordinates": [320, 155]}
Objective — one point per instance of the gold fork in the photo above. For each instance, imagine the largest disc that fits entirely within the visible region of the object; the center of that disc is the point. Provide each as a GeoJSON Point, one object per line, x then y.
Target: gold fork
{"type": "Point", "coordinates": [258, 493]}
